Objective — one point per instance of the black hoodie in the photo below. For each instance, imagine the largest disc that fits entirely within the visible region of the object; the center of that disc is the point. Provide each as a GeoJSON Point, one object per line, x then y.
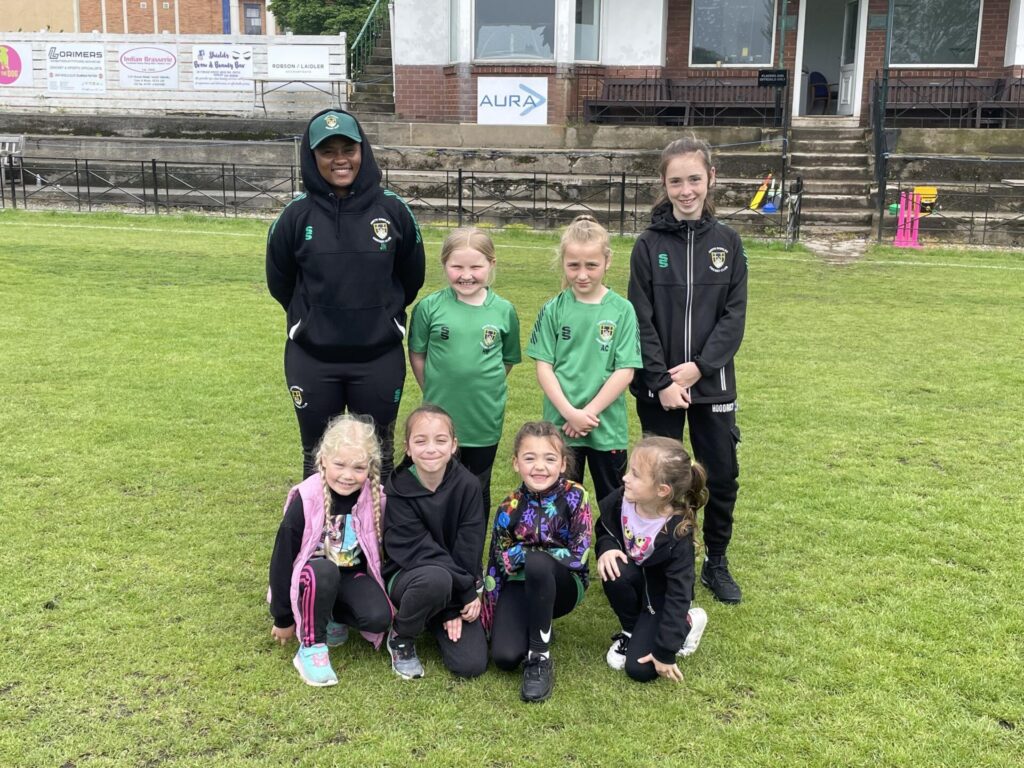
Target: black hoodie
{"type": "Point", "coordinates": [345, 268]}
{"type": "Point", "coordinates": [444, 527]}
{"type": "Point", "coordinates": [688, 285]}
{"type": "Point", "coordinates": [668, 574]}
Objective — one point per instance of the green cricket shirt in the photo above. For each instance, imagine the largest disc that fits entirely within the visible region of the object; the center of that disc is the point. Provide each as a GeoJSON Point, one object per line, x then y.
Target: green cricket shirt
{"type": "Point", "coordinates": [467, 348]}
{"type": "Point", "coordinates": [585, 344]}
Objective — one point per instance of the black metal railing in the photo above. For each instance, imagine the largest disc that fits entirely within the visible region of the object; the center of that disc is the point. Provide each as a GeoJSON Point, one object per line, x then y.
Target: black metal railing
{"type": "Point", "coordinates": [621, 201]}
{"type": "Point", "coordinates": [980, 201]}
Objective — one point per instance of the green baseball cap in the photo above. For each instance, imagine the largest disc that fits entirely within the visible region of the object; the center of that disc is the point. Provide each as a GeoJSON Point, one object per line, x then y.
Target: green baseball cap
{"type": "Point", "coordinates": [333, 124]}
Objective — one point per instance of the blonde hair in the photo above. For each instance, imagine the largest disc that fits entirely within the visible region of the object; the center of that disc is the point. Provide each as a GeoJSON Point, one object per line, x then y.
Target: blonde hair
{"type": "Point", "coordinates": [688, 144]}
{"type": "Point", "coordinates": [351, 431]}
{"type": "Point", "coordinates": [668, 463]}
{"type": "Point", "coordinates": [473, 238]}
{"type": "Point", "coordinates": [583, 230]}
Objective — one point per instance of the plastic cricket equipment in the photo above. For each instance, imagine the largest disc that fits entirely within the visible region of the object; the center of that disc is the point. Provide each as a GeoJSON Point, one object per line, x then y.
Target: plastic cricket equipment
{"type": "Point", "coordinates": [758, 198]}
{"type": "Point", "coordinates": [908, 221]}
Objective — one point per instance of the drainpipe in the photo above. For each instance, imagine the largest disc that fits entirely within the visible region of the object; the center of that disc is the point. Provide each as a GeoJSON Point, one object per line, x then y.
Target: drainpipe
{"type": "Point", "coordinates": [879, 127]}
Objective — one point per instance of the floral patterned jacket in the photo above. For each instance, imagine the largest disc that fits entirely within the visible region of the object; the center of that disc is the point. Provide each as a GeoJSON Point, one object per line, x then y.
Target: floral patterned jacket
{"type": "Point", "coordinates": [556, 520]}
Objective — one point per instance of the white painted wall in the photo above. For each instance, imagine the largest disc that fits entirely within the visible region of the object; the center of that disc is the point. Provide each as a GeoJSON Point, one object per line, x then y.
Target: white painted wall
{"type": "Point", "coordinates": [1015, 35]}
{"type": "Point", "coordinates": [633, 32]}
{"type": "Point", "coordinates": [183, 100]}
{"type": "Point", "coordinates": [420, 35]}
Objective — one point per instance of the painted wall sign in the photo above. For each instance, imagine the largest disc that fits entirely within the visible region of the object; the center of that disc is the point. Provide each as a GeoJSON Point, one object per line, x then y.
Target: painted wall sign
{"type": "Point", "coordinates": [222, 67]}
{"type": "Point", "coordinates": [148, 66]}
{"type": "Point", "coordinates": [75, 68]}
{"type": "Point", "coordinates": [15, 64]}
{"type": "Point", "coordinates": [512, 100]}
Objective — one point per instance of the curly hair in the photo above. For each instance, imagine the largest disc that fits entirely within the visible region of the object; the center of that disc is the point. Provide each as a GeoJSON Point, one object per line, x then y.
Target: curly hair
{"type": "Point", "coordinates": [357, 432]}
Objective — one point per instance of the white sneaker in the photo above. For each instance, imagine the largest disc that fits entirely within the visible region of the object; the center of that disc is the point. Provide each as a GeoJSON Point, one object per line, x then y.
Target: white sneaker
{"type": "Point", "coordinates": [698, 618]}
{"type": "Point", "coordinates": [616, 656]}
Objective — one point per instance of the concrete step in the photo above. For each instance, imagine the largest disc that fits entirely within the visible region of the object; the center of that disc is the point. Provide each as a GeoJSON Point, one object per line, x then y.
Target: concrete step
{"type": "Point", "coordinates": [836, 202]}
{"type": "Point", "coordinates": [832, 159]}
{"type": "Point", "coordinates": [373, 88]}
{"type": "Point", "coordinates": [828, 146]}
{"type": "Point", "coordinates": [825, 133]}
{"type": "Point", "coordinates": [833, 172]}
{"type": "Point", "coordinates": [377, 69]}
{"type": "Point", "coordinates": [374, 108]}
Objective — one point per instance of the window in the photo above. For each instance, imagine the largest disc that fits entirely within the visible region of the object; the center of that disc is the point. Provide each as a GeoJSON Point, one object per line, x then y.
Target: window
{"type": "Point", "coordinates": [523, 30]}
{"type": "Point", "coordinates": [453, 30]}
{"type": "Point", "coordinates": [732, 32]}
{"type": "Point", "coordinates": [253, 21]}
{"type": "Point", "coordinates": [939, 33]}
{"type": "Point", "coordinates": [588, 25]}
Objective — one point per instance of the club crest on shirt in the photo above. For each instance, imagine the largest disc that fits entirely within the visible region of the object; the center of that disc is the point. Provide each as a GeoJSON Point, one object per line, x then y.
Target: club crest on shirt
{"type": "Point", "coordinates": [605, 333]}
{"type": "Point", "coordinates": [381, 231]}
{"type": "Point", "coordinates": [718, 259]}
{"type": "Point", "coordinates": [490, 337]}
{"type": "Point", "coordinates": [297, 397]}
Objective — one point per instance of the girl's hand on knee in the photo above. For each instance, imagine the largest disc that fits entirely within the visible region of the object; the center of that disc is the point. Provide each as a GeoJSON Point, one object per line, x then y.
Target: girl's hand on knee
{"type": "Point", "coordinates": [454, 628]}
{"type": "Point", "coordinates": [608, 565]}
{"type": "Point", "coordinates": [471, 611]}
{"type": "Point", "coordinates": [283, 634]}
{"type": "Point", "coordinates": [668, 671]}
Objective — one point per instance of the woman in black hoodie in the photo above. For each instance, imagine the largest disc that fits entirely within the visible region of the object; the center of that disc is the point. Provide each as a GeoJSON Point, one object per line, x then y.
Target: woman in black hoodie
{"type": "Point", "coordinates": [345, 259]}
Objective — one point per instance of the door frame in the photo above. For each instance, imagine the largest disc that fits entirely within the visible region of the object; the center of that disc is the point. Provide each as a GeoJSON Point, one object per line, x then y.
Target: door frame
{"type": "Point", "coordinates": [799, 97]}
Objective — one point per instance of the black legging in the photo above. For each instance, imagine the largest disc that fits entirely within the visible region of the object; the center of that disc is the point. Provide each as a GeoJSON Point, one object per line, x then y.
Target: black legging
{"type": "Point", "coordinates": [480, 461]}
{"type": "Point", "coordinates": [349, 596]}
{"type": "Point", "coordinates": [626, 596]}
{"type": "Point", "coordinates": [525, 609]}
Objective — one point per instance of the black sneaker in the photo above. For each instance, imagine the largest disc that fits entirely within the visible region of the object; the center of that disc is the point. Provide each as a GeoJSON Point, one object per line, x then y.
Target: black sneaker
{"type": "Point", "coordinates": [714, 575]}
{"type": "Point", "coordinates": [538, 679]}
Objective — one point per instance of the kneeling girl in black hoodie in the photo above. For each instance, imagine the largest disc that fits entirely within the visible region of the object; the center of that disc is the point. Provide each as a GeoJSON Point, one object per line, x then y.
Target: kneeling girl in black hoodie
{"type": "Point", "coordinates": [433, 545]}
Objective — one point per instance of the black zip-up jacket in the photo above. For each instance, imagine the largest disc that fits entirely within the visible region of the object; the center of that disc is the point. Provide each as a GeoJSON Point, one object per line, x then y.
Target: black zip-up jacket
{"type": "Point", "coordinates": [444, 527]}
{"type": "Point", "coordinates": [345, 268]}
{"type": "Point", "coordinates": [668, 574]}
{"type": "Point", "coordinates": [688, 285]}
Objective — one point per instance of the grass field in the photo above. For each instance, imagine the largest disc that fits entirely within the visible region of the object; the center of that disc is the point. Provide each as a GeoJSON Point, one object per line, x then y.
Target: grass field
{"type": "Point", "coordinates": [148, 443]}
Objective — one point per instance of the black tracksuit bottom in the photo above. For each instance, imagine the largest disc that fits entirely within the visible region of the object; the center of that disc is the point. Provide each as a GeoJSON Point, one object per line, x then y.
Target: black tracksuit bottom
{"type": "Point", "coordinates": [713, 435]}
{"type": "Point", "coordinates": [480, 461]}
{"type": "Point", "coordinates": [348, 595]}
{"type": "Point", "coordinates": [606, 468]}
{"type": "Point", "coordinates": [627, 595]}
{"type": "Point", "coordinates": [523, 613]}
{"type": "Point", "coordinates": [322, 390]}
{"type": "Point", "coordinates": [422, 596]}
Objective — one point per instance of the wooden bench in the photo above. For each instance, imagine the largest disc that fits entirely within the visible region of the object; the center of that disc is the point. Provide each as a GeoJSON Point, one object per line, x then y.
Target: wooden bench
{"type": "Point", "coordinates": [632, 100]}
{"type": "Point", "coordinates": [728, 101]}
{"type": "Point", "coordinates": [1005, 110]}
{"type": "Point", "coordinates": [697, 101]}
{"type": "Point", "coordinates": [924, 101]}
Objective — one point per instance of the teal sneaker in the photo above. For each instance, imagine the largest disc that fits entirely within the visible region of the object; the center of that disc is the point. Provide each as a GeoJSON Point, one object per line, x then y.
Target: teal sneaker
{"type": "Point", "coordinates": [314, 665]}
{"type": "Point", "coordinates": [337, 634]}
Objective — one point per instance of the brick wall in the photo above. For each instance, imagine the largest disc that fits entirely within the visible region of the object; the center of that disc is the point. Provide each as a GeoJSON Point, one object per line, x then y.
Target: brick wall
{"type": "Point", "coordinates": [202, 17]}
{"type": "Point", "coordinates": [448, 93]}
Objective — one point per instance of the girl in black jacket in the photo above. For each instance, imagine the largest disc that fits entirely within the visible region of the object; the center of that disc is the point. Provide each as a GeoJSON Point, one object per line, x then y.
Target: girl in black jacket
{"type": "Point", "coordinates": [688, 285]}
{"type": "Point", "coordinates": [645, 560]}
{"type": "Point", "coordinates": [433, 545]}
{"type": "Point", "coordinates": [344, 260]}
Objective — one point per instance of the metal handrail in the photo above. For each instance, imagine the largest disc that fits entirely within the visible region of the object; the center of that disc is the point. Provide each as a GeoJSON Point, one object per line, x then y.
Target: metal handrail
{"type": "Point", "coordinates": [361, 50]}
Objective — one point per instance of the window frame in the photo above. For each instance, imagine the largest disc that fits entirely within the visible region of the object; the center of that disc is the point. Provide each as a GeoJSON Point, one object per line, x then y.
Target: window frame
{"type": "Point", "coordinates": [512, 61]}
{"type": "Point", "coordinates": [600, 33]}
{"type": "Point", "coordinates": [741, 65]}
{"type": "Point", "coordinates": [977, 50]}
